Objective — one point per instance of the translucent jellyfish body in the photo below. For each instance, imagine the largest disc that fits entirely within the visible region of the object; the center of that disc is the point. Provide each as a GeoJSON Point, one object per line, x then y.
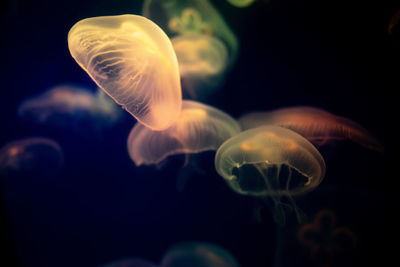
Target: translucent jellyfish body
{"type": "Point", "coordinates": [240, 3]}
{"type": "Point", "coordinates": [67, 105]}
{"type": "Point", "coordinates": [316, 125]}
{"type": "Point", "coordinates": [133, 61]}
{"type": "Point", "coordinates": [199, 128]}
{"type": "Point", "coordinates": [181, 17]}
{"type": "Point", "coordinates": [252, 161]}
{"type": "Point", "coordinates": [130, 263]}
{"type": "Point", "coordinates": [30, 157]}
{"type": "Point", "coordinates": [198, 254]}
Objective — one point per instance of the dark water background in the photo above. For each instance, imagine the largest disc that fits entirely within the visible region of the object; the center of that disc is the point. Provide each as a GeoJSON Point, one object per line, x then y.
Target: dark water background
{"type": "Point", "coordinates": [335, 55]}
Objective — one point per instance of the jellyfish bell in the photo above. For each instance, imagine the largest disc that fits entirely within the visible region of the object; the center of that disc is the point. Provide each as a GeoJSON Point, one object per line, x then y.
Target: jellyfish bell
{"type": "Point", "coordinates": [316, 125]}
{"type": "Point", "coordinates": [198, 254]}
{"type": "Point", "coordinates": [179, 17]}
{"type": "Point", "coordinates": [199, 128]}
{"type": "Point", "coordinates": [202, 62]}
{"type": "Point", "coordinates": [129, 262]}
{"type": "Point", "coordinates": [133, 61]}
{"type": "Point", "coordinates": [241, 3]}
{"type": "Point", "coordinates": [270, 162]}
{"type": "Point", "coordinates": [30, 158]}
{"type": "Point", "coordinates": [69, 106]}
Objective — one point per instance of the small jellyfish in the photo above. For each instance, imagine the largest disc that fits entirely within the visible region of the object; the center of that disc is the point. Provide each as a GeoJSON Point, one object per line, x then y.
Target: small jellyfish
{"type": "Point", "coordinates": [30, 157]}
{"type": "Point", "coordinates": [69, 106]}
{"type": "Point", "coordinates": [202, 62]}
{"type": "Point", "coordinates": [134, 62]}
{"type": "Point", "coordinates": [181, 17]}
{"type": "Point", "coordinates": [241, 3]}
{"type": "Point", "coordinates": [316, 125]}
{"type": "Point", "coordinates": [270, 162]}
{"type": "Point", "coordinates": [394, 23]}
{"type": "Point", "coordinates": [198, 254]}
{"type": "Point", "coordinates": [134, 262]}
{"type": "Point", "coordinates": [199, 128]}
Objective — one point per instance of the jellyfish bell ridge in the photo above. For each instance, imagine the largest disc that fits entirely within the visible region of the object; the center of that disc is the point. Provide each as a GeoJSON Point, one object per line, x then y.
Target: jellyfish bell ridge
{"type": "Point", "coordinates": [265, 148]}
{"type": "Point", "coordinates": [133, 61]}
{"type": "Point", "coordinates": [199, 128]}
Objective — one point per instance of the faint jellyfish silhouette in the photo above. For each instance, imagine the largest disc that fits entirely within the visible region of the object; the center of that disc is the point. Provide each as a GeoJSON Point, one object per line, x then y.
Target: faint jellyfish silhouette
{"type": "Point", "coordinates": [394, 24]}
{"type": "Point", "coordinates": [271, 163]}
{"type": "Point", "coordinates": [241, 3]}
{"type": "Point", "coordinates": [129, 262]}
{"type": "Point", "coordinates": [30, 158]}
{"type": "Point", "coordinates": [202, 62]}
{"type": "Point", "coordinates": [133, 61]}
{"type": "Point", "coordinates": [324, 239]}
{"type": "Point", "coordinates": [178, 17]}
{"type": "Point", "coordinates": [198, 254]}
{"type": "Point", "coordinates": [71, 107]}
{"type": "Point", "coordinates": [316, 125]}
{"type": "Point", "coordinates": [199, 128]}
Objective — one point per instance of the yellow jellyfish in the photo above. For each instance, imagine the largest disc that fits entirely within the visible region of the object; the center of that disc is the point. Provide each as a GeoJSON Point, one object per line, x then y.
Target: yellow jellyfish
{"type": "Point", "coordinates": [68, 105]}
{"type": "Point", "coordinates": [199, 128]}
{"type": "Point", "coordinates": [180, 17]}
{"type": "Point", "coordinates": [241, 3]}
{"type": "Point", "coordinates": [202, 62]}
{"type": "Point", "coordinates": [133, 61]}
{"type": "Point", "coordinates": [30, 157]}
{"type": "Point", "coordinates": [270, 162]}
{"type": "Point", "coordinates": [199, 254]}
{"type": "Point", "coordinates": [316, 125]}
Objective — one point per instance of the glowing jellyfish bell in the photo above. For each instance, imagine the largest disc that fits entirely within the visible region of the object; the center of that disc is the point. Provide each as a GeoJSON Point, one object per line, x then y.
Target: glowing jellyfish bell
{"type": "Point", "coordinates": [133, 262]}
{"type": "Point", "coordinates": [240, 3]}
{"type": "Point", "coordinates": [316, 125]}
{"type": "Point", "coordinates": [30, 157]}
{"type": "Point", "coordinates": [199, 128]}
{"type": "Point", "coordinates": [133, 61]}
{"type": "Point", "coordinates": [270, 162]}
{"type": "Point", "coordinates": [198, 254]}
{"type": "Point", "coordinates": [181, 17]}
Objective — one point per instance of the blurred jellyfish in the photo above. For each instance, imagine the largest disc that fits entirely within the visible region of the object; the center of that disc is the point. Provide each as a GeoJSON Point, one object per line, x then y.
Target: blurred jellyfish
{"type": "Point", "coordinates": [316, 125]}
{"type": "Point", "coordinates": [30, 158]}
{"type": "Point", "coordinates": [198, 254]}
{"type": "Point", "coordinates": [199, 128]}
{"type": "Point", "coordinates": [270, 162]}
{"type": "Point", "coordinates": [69, 106]}
{"type": "Point", "coordinates": [241, 3]}
{"type": "Point", "coordinates": [181, 17]}
{"type": "Point", "coordinates": [394, 22]}
{"type": "Point", "coordinates": [324, 239]}
{"type": "Point", "coordinates": [129, 263]}
{"type": "Point", "coordinates": [133, 61]}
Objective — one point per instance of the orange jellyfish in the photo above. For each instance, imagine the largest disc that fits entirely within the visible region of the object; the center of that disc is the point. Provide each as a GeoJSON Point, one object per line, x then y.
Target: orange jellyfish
{"type": "Point", "coordinates": [316, 125]}
{"type": "Point", "coordinates": [270, 162]}
{"type": "Point", "coordinates": [199, 254]}
{"type": "Point", "coordinates": [134, 62]}
{"type": "Point", "coordinates": [199, 128]}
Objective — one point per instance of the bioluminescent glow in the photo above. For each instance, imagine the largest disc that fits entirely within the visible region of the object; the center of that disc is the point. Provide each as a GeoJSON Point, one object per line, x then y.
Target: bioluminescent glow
{"type": "Point", "coordinates": [316, 125]}
{"type": "Point", "coordinates": [67, 105]}
{"type": "Point", "coordinates": [199, 128]}
{"type": "Point", "coordinates": [133, 61]}
{"type": "Point", "coordinates": [241, 3]}
{"type": "Point", "coordinates": [30, 157]}
{"type": "Point", "coordinates": [198, 254]}
{"type": "Point", "coordinates": [270, 161]}
{"type": "Point", "coordinates": [180, 17]}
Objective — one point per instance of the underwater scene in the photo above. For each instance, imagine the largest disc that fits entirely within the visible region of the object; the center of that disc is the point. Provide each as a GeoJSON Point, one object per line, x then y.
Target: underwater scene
{"type": "Point", "coordinates": [198, 133]}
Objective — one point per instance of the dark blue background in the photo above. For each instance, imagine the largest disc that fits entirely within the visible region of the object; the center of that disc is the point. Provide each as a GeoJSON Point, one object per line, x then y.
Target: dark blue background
{"type": "Point", "coordinates": [335, 55]}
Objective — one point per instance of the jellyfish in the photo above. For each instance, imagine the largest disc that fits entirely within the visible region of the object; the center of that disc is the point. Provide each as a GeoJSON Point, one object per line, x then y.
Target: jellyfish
{"type": "Point", "coordinates": [393, 25]}
{"type": "Point", "coordinates": [199, 128]}
{"type": "Point", "coordinates": [202, 62]}
{"type": "Point", "coordinates": [133, 61]}
{"type": "Point", "coordinates": [241, 3]}
{"type": "Point", "coordinates": [181, 17]}
{"type": "Point", "coordinates": [270, 162]}
{"type": "Point", "coordinates": [316, 125]}
{"type": "Point", "coordinates": [198, 254]}
{"type": "Point", "coordinates": [30, 158]}
{"type": "Point", "coordinates": [69, 106]}
{"type": "Point", "coordinates": [129, 262]}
